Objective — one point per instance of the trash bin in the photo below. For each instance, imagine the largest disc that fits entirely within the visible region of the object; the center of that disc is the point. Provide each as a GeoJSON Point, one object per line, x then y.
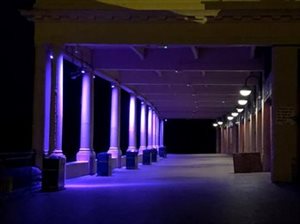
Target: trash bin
{"type": "Point", "coordinates": [53, 176]}
{"type": "Point", "coordinates": [147, 160]}
{"type": "Point", "coordinates": [131, 160]}
{"type": "Point", "coordinates": [162, 152]}
{"type": "Point", "coordinates": [154, 155]}
{"type": "Point", "coordinates": [104, 167]}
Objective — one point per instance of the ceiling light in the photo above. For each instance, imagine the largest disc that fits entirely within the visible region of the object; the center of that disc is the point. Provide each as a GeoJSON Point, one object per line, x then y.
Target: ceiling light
{"type": "Point", "coordinates": [242, 102]}
{"type": "Point", "coordinates": [220, 122]}
{"type": "Point", "coordinates": [51, 56]}
{"type": "Point", "coordinates": [215, 124]}
{"type": "Point", "coordinates": [239, 109]}
{"type": "Point", "coordinates": [230, 118]}
{"type": "Point", "coordinates": [82, 71]}
{"type": "Point", "coordinates": [165, 47]}
{"type": "Point", "coordinates": [234, 114]}
{"type": "Point", "coordinates": [113, 86]}
{"type": "Point", "coordinates": [245, 91]}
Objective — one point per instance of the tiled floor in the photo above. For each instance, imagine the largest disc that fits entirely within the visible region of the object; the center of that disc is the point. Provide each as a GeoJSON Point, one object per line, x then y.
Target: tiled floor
{"type": "Point", "coordinates": [179, 189]}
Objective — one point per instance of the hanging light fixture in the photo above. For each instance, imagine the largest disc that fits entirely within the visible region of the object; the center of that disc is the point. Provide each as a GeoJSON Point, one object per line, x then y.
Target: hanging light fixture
{"type": "Point", "coordinates": [239, 109]}
{"type": "Point", "coordinates": [215, 124]}
{"type": "Point", "coordinates": [234, 114]}
{"type": "Point", "coordinates": [245, 91]}
{"type": "Point", "coordinates": [230, 118]}
{"type": "Point", "coordinates": [242, 102]}
{"type": "Point", "coordinates": [220, 122]}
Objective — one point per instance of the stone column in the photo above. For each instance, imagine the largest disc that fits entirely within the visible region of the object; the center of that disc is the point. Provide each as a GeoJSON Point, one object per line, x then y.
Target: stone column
{"type": "Point", "coordinates": [284, 78]}
{"type": "Point", "coordinates": [56, 123]}
{"type": "Point", "coordinates": [143, 129]}
{"type": "Point", "coordinates": [157, 132]}
{"type": "Point", "coordinates": [149, 145]}
{"type": "Point", "coordinates": [86, 151]}
{"type": "Point", "coordinates": [161, 134]}
{"type": "Point", "coordinates": [114, 148]}
{"type": "Point", "coordinates": [132, 127]}
{"type": "Point", "coordinates": [41, 108]}
{"type": "Point", "coordinates": [153, 129]}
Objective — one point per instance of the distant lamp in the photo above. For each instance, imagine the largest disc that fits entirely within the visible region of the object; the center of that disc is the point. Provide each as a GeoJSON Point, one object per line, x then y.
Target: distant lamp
{"type": "Point", "coordinates": [51, 56]}
{"type": "Point", "coordinates": [245, 91]}
{"type": "Point", "coordinates": [82, 71]}
{"type": "Point", "coordinates": [215, 124]}
{"type": "Point", "coordinates": [234, 114]}
{"type": "Point", "coordinates": [242, 102]}
{"type": "Point", "coordinates": [230, 118]}
{"type": "Point", "coordinates": [166, 120]}
{"type": "Point", "coordinates": [239, 109]}
{"type": "Point", "coordinates": [220, 122]}
{"type": "Point", "coordinates": [113, 86]}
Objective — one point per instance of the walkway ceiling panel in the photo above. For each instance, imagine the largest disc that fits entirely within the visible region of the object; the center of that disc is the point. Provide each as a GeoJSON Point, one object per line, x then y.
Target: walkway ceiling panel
{"type": "Point", "coordinates": [180, 81]}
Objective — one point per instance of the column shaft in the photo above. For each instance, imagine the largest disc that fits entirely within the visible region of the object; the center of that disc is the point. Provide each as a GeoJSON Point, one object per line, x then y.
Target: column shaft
{"type": "Point", "coordinates": [57, 104]}
{"type": "Point", "coordinates": [149, 145]}
{"type": "Point", "coordinates": [86, 151]}
{"type": "Point", "coordinates": [41, 108]}
{"type": "Point", "coordinates": [132, 126]}
{"type": "Point", "coordinates": [143, 129]}
{"type": "Point", "coordinates": [114, 148]}
{"type": "Point", "coordinates": [161, 133]}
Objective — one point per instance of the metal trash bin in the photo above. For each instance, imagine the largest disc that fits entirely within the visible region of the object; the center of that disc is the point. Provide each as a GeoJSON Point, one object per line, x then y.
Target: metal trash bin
{"type": "Point", "coordinates": [53, 176]}
{"type": "Point", "coordinates": [131, 160]}
{"type": "Point", "coordinates": [104, 167]}
{"type": "Point", "coordinates": [154, 155]}
{"type": "Point", "coordinates": [147, 160]}
{"type": "Point", "coordinates": [162, 152]}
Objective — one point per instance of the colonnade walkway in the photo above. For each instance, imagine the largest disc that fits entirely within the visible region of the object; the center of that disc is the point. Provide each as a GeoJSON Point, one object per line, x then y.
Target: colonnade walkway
{"type": "Point", "coordinates": [179, 189]}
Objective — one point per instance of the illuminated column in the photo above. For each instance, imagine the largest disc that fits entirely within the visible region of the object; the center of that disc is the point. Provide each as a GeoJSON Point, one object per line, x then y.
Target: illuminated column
{"type": "Point", "coordinates": [153, 129]}
{"type": "Point", "coordinates": [42, 97]}
{"type": "Point", "coordinates": [161, 134]}
{"type": "Point", "coordinates": [284, 147]}
{"type": "Point", "coordinates": [132, 127]}
{"type": "Point", "coordinates": [56, 123]}
{"type": "Point", "coordinates": [157, 132]}
{"type": "Point", "coordinates": [86, 151]}
{"type": "Point", "coordinates": [114, 148]}
{"type": "Point", "coordinates": [143, 129]}
{"type": "Point", "coordinates": [149, 145]}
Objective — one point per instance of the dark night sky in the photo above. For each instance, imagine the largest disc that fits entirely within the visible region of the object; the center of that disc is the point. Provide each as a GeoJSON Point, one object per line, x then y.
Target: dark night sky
{"type": "Point", "coordinates": [182, 136]}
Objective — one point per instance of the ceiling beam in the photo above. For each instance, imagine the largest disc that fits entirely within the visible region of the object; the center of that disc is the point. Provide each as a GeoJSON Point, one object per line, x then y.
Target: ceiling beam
{"type": "Point", "coordinates": [140, 51]}
{"type": "Point", "coordinates": [195, 51]}
{"type": "Point", "coordinates": [177, 59]}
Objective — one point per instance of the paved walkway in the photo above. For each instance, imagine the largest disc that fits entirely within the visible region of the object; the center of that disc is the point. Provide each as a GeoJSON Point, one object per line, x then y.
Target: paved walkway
{"type": "Point", "coordinates": [180, 189]}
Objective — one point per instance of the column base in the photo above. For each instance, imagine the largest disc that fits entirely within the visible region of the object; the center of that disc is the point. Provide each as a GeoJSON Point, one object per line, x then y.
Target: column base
{"type": "Point", "coordinates": [89, 155]}
{"type": "Point", "coordinates": [57, 153]}
{"type": "Point", "coordinates": [116, 153]}
{"type": "Point", "coordinates": [132, 149]}
{"type": "Point", "coordinates": [141, 149]}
